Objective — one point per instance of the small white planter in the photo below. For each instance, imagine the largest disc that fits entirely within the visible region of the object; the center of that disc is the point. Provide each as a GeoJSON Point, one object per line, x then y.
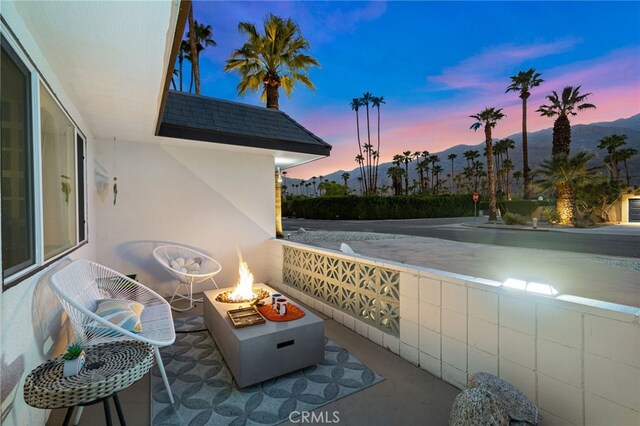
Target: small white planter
{"type": "Point", "coordinates": [74, 366]}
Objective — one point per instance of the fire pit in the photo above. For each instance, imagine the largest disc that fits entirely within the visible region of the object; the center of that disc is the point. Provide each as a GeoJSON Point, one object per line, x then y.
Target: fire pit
{"type": "Point", "coordinates": [243, 292]}
{"type": "Point", "coordinates": [258, 294]}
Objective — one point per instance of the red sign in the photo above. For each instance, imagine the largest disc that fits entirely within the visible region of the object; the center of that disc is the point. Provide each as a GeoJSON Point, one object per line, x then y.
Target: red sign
{"type": "Point", "coordinates": [475, 197]}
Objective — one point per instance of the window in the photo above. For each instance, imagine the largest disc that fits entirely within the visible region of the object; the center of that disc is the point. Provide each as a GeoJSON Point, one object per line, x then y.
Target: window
{"type": "Point", "coordinates": [43, 172]}
{"type": "Point", "coordinates": [58, 146]}
{"type": "Point", "coordinates": [18, 251]}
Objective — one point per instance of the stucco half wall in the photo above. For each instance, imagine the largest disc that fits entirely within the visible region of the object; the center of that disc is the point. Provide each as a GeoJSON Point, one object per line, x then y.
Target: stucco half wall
{"type": "Point", "coordinates": [185, 193]}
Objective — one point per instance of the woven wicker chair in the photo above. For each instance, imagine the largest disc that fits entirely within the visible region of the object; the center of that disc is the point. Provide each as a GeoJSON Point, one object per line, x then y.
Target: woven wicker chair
{"type": "Point", "coordinates": [82, 283]}
{"type": "Point", "coordinates": [205, 268]}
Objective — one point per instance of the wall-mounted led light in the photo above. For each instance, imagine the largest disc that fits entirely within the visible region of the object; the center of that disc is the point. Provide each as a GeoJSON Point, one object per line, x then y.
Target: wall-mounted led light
{"type": "Point", "coordinates": [531, 287]}
{"type": "Point", "coordinates": [517, 284]}
{"type": "Point", "coordinates": [540, 288]}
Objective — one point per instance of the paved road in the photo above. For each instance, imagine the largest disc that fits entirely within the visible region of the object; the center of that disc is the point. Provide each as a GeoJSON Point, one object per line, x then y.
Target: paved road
{"type": "Point", "coordinates": [452, 229]}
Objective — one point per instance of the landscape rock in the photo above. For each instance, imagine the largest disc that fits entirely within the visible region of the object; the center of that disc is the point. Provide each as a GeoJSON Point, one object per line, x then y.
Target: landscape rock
{"type": "Point", "coordinates": [477, 406]}
{"type": "Point", "coordinates": [511, 400]}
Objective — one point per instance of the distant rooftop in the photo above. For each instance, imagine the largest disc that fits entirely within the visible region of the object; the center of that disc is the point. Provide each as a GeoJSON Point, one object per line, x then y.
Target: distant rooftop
{"type": "Point", "coordinates": [200, 118]}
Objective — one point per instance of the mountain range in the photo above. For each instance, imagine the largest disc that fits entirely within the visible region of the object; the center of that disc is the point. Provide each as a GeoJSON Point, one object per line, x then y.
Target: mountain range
{"type": "Point", "coordinates": [584, 137]}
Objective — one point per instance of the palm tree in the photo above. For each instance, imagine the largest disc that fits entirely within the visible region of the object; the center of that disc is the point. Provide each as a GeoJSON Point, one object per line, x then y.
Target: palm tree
{"type": "Point", "coordinates": [436, 170]}
{"type": "Point", "coordinates": [517, 175]}
{"type": "Point", "coordinates": [433, 159]}
{"type": "Point", "coordinates": [488, 119]}
{"type": "Point", "coordinates": [452, 157]}
{"type": "Point", "coordinates": [569, 103]}
{"type": "Point", "coordinates": [363, 180]}
{"type": "Point", "coordinates": [195, 65]}
{"type": "Point", "coordinates": [624, 155]}
{"type": "Point", "coordinates": [522, 82]}
{"type": "Point", "coordinates": [396, 173]}
{"type": "Point", "coordinates": [611, 144]}
{"type": "Point", "coordinates": [366, 99]}
{"type": "Point", "coordinates": [345, 177]}
{"type": "Point", "coordinates": [183, 53]}
{"type": "Point", "coordinates": [406, 158]}
{"type": "Point", "coordinates": [470, 156]}
{"type": "Point", "coordinates": [203, 39]}
{"type": "Point", "coordinates": [565, 175]}
{"type": "Point", "coordinates": [376, 101]}
{"type": "Point", "coordinates": [355, 106]}
{"type": "Point", "coordinates": [273, 60]}
{"type": "Point", "coordinates": [507, 166]}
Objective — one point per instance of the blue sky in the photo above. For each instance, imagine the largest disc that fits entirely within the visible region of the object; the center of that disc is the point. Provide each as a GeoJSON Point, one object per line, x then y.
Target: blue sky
{"type": "Point", "coordinates": [436, 63]}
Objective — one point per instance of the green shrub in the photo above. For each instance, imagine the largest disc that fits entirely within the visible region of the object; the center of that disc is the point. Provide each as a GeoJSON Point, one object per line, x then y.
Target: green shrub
{"type": "Point", "coordinates": [514, 219]}
{"type": "Point", "coordinates": [551, 215]}
{"type": "Point", "coordinates": [376, 207]}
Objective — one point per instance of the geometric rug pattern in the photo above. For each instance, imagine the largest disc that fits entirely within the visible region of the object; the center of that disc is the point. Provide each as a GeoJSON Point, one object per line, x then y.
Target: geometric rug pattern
{"type": "Point", "coordinates": [205, 392]}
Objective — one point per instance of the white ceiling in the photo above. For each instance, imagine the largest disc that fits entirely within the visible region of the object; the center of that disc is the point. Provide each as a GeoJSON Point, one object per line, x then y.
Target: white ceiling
{"type": "Point", "coordinates": [110, 56]}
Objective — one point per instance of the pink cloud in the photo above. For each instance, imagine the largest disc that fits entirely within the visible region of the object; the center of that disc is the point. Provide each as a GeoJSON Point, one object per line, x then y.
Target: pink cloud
{"type": "Point", "coordinates": [479, 71]}
{"type": "Point", "coordinates": [612, 79]}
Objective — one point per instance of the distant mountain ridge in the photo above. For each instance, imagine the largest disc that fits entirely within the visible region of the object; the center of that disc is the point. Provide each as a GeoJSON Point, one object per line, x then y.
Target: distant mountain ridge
{"type": "Point", "coordinates": [584, 137]}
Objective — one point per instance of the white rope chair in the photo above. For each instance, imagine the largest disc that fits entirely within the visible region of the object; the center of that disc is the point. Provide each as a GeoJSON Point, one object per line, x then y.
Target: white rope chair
{"type": "Point", "coordinates": [82, 284]}
{"type": "Point", "coordinates": [189, 267]}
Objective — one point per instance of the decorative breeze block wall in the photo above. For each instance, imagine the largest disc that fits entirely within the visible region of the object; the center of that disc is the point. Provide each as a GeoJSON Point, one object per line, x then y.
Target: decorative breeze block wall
{"type": "Point", "coordinates": [364, 291]}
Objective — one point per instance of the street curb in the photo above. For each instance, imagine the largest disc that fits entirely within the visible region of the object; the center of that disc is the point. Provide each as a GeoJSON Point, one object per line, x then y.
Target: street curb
{"type": "Point", "coordinates": [509, 227]}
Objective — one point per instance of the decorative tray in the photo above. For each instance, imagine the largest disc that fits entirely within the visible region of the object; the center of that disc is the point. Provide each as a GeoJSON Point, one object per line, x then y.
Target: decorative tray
{"type": "Point", "coordinates": [293, 313]}
{"type": "Point", "coordinates": [245, 317]}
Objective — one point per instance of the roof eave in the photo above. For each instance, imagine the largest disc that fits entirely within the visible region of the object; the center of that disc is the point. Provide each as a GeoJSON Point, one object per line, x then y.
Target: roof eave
{"type": "Point", "coordinates": [206, 135]}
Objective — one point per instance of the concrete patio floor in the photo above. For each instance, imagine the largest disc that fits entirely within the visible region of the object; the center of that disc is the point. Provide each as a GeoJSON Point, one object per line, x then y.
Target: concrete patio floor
{"type": "Point", "coordinates": [407, 395]}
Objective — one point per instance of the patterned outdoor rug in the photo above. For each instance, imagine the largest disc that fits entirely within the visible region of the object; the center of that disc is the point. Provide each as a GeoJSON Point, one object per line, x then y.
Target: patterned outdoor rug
{"type": "Point", "coordinates": [189, 324]}
{"type": "Point", "coordinates": [206, 394]}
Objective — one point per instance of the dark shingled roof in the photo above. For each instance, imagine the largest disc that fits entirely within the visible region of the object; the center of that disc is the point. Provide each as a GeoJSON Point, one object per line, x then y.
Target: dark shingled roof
{"type": "Point", "coordinates": [200, 118]}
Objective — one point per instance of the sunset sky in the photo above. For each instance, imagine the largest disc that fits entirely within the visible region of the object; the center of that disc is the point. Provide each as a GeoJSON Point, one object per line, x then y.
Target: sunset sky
{"type": "Point", "coordinates": [436, 63]}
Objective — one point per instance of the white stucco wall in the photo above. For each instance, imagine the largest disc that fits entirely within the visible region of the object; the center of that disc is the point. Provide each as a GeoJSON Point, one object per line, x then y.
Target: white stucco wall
{"type": "Point", "coordinates": [186, 193]}
{"type": "Point", "coordinates": [30, 315]}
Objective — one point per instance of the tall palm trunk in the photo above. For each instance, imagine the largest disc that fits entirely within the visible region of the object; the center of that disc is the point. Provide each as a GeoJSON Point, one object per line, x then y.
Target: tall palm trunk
{"type": "Point", "coordinates": [452, 183]}
{"type": "Point", "coordinates": [370, 185]}
{"type": "Point", "coordinates": [406, 178]}
{"type": "Point", "coordinates": [626, 171]}
{"type": "Point", "coordinates": [493, 216]}
{"type": "Point", "coordinates": [194, 52]}
{"type": "Point", "coordinates": [525, 149]}
{"type": "Point", "coordinates": [561, 135]}
{"type": "Point", "coordinates": [180, 59]}
{"type": "Point", "coordinates": [362, 173]}
{"type": "Point", "coordinates": [272, 84]}
{"type": "Point", "coordinates": [377, 158]}
{"type": "Point", "coordinates": [565, 204]}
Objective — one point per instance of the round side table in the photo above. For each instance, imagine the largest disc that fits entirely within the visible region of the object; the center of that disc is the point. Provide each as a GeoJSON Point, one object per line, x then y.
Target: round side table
{"type": "Point", "coordinates": [110, 367]}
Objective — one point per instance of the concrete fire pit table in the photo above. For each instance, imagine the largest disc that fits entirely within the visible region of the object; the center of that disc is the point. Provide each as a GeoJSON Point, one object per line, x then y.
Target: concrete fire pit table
{"type": "Point", "coordinates": [264, 351]}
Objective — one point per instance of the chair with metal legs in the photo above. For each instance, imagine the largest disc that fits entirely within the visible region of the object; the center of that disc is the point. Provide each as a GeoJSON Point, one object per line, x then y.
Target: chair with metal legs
{"type": "Point", "coordinates": [82, 284]}
{"type": "Point", "coordinates": [189, 267]}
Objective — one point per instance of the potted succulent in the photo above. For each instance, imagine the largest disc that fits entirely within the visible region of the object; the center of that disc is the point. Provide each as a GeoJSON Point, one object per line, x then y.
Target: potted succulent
{"type": "Point", "coordinates": [74, 359]}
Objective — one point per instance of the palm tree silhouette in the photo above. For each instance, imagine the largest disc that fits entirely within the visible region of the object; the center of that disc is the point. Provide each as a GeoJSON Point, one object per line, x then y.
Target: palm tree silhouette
{"type": "Point", "coordinates": [522, 82]}
{"type": "Point", "coordinates": [452, 183]}
{"type": "Point", "coordinates": [488, 119]}
{"type": "Point", "coordinates": [204, 34]}
{"type": "Point", "coordinates": [568, 103]}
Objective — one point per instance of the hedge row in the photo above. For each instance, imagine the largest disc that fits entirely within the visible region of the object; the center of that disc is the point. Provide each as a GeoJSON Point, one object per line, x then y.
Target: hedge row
{"type": "Point", "coordinates": [521, 207]}
{"type": "Point", "coordinates": [375, 207]}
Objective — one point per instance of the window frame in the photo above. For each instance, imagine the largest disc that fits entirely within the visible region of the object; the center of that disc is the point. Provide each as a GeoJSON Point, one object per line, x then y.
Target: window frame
{"type": "Point", "coordinates": [37, 81]}
{"type": "Point", "coordinates": [30, 192]}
